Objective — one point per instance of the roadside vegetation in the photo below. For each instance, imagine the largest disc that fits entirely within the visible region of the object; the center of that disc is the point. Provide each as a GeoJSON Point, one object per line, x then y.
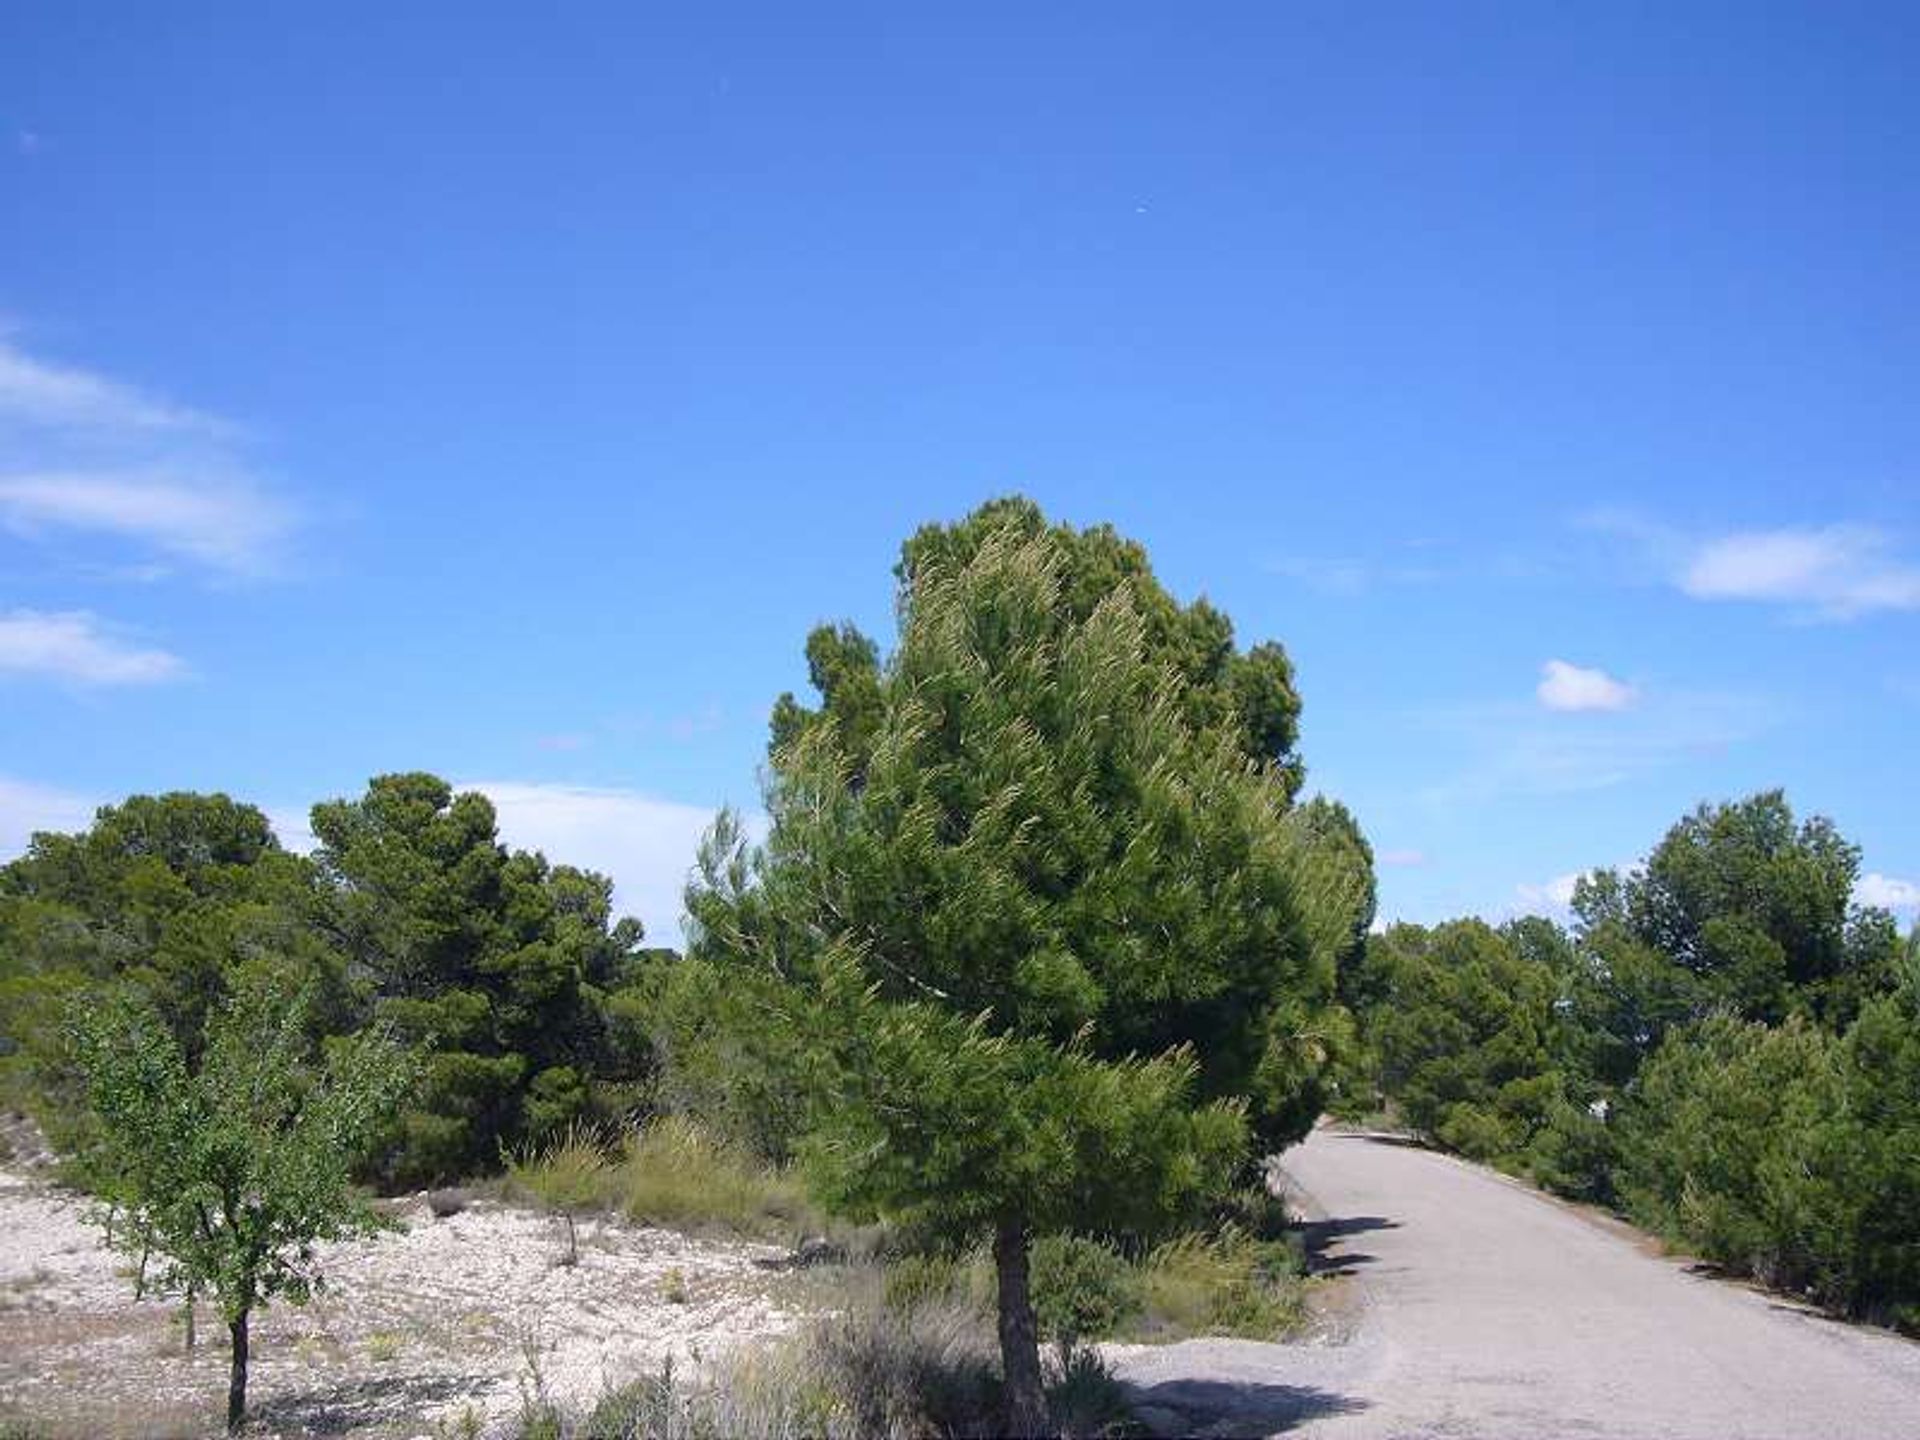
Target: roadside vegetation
{"type": "Point", "coordinates": [669, 1171]}
{"type": "Point", "coordinates": [1038, 959]}
{"type": "Point", "coordinates": [1723, 1046]}
{"type": "Point", "coordinates": [1040, 955]}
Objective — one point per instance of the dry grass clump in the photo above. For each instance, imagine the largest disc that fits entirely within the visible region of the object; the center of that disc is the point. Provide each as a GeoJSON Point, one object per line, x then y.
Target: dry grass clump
{"type": "Point", "coordinates": [1222, 1282]}
{"type": "Point", "coordinates": [870, 1372]}
{"type": "Point", "coordinates": [671, 1173]}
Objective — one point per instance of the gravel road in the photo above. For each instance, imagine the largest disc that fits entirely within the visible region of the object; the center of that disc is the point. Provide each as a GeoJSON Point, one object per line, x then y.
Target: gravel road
{"type": "Point", "coordinates": [1486, 1310]}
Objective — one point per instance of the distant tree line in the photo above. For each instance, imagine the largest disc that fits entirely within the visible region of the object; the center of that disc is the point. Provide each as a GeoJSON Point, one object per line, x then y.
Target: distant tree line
{"type": "Point", "coordinates": [507, 974]}
{"type": "Point", "coordinates": [1723, 1045]}
{"type": "Point", "coordinates": [1041, 942]}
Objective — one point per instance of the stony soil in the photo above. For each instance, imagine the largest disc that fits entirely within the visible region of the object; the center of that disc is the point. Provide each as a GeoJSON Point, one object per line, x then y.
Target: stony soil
{"type": "Point", "coordinates": [419, 1328]}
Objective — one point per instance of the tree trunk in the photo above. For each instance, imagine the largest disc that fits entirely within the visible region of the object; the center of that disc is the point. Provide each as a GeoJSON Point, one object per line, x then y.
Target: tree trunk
{"type": "Point", "coordinates": [573, 1245]}
{"type": "Point", "coordinates": [237, 1377]}
{"type": "Point", "coordinates": [190, 1336]}
{"type": "Point", "coordinates": [1019, 1336]}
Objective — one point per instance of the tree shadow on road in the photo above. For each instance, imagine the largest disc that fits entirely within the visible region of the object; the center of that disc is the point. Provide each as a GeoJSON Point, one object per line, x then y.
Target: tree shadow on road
{"type": "Point", "coordinates": [1228, 1408]}
{"type": "Point", "coordinates": [1319, 1239]}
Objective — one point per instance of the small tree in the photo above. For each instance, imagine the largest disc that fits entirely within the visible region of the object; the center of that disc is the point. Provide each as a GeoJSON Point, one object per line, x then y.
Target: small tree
{"type": "Point", "coordinates": [1046, 950]}
{"type": "Point", "coordinates": [230, 1173]}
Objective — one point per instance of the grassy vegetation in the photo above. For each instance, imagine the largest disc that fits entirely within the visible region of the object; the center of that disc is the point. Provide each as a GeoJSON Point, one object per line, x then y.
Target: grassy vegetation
{"type": "Point", "coordinates": [1222, 1283]}
{"type": "Point", "coordinates": [672, 1173]}
{"type": "Point", "coordinates": [873, 1369]}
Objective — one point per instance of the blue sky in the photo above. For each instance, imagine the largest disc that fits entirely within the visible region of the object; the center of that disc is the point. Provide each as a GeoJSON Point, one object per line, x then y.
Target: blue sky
{"type": "Point", "coordinates": [506, 391]}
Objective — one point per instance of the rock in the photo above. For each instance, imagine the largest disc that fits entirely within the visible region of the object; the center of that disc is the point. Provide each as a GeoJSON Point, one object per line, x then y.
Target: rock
{"type": "Point", "coordinates": [818, 1250]}
{"type": "Point", "coordinates": [444, 1203]}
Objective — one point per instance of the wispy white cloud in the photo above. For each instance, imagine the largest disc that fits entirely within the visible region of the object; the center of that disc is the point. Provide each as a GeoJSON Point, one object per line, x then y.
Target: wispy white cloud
{"type": "Point", "coordinates": [225, 524]}
{"type": "Point", "coordinates": [1818, 572]}
{"type": "Point", "coordinates": [1887, 893]}
{"type": "Point", "coordinates": [26, 808]}
{"type": "Point", "coordinates": [73, 645]}
{"type": "Point", "coordinates": [84, 455]}
{"type": "Point", "coordinates": [1401, 859]}
{"type": "Point", "coordinates": [1836, 573]}
{"type": "Point", "coordinates": [49, 396]}
{"type": "Point", "coordinates": [1516, 749]}
{"type": "Point", "coordinates": [1567, 687]}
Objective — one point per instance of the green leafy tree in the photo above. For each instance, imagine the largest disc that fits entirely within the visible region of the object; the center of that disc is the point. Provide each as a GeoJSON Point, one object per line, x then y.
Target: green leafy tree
{"type": "Point", "coordinates": [1756, 909]}
{"type": "Point", "coordinates": [1049, 952]}
{"type": "Point", "coordinates": [501, 965]}
{"type": "Point", "coordinates": [175, 894]}
{"type": "Point", "coordinates": [232, 1170]}
{"type": "Point", "coordinates": [1249, 693]}
{"type": "Point", "coordinates": [1467, 1038]}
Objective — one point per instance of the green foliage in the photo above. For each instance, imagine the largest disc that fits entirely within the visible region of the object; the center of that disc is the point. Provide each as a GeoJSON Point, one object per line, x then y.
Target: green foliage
{"type": "Point", "coordinates": [498, 963]}
{"type": "Point", "coordinates": [1725, 1046]}
{"type": "Point", "coordinates": [1082, 1290]}
{"type": "Point", "coordinates": [230, 1172]}
{"type": "Point", "coordinates": [1250, 693]}
{"type": "Point", "coordinates": [1053, 951]}
{"type": "Point", "coordinates": [672, 1173]}
{"type": "Point", "coordinates": [1223, 1282]}
{"type": "Point", "coordinates": [178, 895]}
{"type": "Point", "coordinates": [510, 972]}
{"type": "Point", "coordinates": [1756, 909]}
{"type": "Point", "coordinates": [1467, 1040]}
{"type": "Point", "coordinates": [1789, 1154]}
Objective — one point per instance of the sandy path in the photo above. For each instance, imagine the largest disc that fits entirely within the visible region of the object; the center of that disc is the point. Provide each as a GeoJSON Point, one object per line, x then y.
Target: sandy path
{"type": "Point", "coordinates": [1489, 1311]}
{"type": "Point", "coordinates": [419, 1324]}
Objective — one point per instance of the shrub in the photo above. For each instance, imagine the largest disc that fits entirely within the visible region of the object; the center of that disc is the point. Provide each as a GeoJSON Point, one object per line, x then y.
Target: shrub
{"type": "Point", "coordinates": [1225, 1283]}
{"type": "Point", "coordinates": [915, 1280]}
{"type": "Point", "coordinates": [671, 1173]}
{"type": "Point", "coordinates": [1789, 1154]}
{"type": "Point", "coordinates": [1256, 1211]}
{"type": "Point", "coordinates": [1476, 1133]}
{"type": "Point", "coordinates": [872, 1372]}
{"type": "Point", "coordinates": [1082, 1290]}
{"type": "Point", "coordinates": [572, 1173]}
{"type": "Point", "coordinates": [674, 1173]}
{"type": "Point", "coordinates": [1573, 1154]}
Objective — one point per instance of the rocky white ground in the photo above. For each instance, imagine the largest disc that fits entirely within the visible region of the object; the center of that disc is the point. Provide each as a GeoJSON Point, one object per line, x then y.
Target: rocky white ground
{"type": "Point", "coordinates": [439, 1318]}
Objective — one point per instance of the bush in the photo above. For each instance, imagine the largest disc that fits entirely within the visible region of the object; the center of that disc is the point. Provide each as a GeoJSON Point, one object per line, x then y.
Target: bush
{"type": "Point", "coordinates": [1225, 1283]}
{"type": "Point", "coordinates": [1082, 1290]}
{"type": "Point", "coordinates": [1574, 1154]}
{"type": "Point", "coordinates": [1790, 1155]}
{"type": "Point", "coordinates": [670, 1173]}
{"type": "Point", "coordinates": [915, 1280]}
{"type": "Point", "coordinates": [674, 1173]}
{"type": "Point", "coordinates": [870, 1373]}
{"type": "Point", "coordinates": [572, 1173]}
{"type": "Point", "coordinates": [1476, 1133]}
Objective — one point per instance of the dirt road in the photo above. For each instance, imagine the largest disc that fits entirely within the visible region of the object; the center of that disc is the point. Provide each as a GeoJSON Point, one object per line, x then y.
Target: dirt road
{"type": "Point", "coordinates": [1488, 1311]}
